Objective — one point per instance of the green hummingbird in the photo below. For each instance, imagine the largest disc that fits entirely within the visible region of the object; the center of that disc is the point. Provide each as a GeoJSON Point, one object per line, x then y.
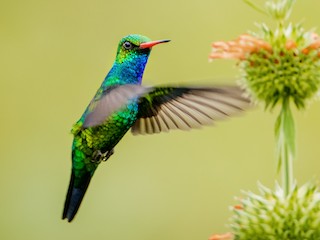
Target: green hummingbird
{"type": "Point", "coordinates": [122, 103]}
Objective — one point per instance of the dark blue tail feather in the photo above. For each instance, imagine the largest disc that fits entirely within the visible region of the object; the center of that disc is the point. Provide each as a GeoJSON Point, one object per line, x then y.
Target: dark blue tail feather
{"type": "Point", "coordinates": [74, 196]}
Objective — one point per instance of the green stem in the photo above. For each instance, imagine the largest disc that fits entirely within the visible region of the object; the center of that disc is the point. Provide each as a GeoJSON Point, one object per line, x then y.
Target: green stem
{"type": "Point", "coordinates": [285, 135]}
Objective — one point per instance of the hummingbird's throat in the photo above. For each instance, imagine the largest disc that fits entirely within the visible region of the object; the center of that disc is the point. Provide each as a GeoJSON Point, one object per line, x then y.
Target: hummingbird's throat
{"type": "Point", "coordinates": [130, 70]}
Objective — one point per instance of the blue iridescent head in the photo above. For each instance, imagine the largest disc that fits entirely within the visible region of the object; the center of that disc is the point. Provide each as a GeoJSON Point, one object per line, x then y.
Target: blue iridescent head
{"type": "Point", "coordinates": [132, 56]}
{"type": "Point", "coordinates": [135, 45]}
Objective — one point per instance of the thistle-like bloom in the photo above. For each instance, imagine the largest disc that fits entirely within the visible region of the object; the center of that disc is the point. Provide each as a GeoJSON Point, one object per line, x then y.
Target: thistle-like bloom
{"type": "Point", "coordinates": [278, 65]}
{"type": "Point", "coordinates": [273, 215]}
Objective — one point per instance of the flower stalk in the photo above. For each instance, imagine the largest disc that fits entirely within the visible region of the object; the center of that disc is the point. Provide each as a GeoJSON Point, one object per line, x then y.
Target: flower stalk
{"type": "Point", "coordinates": [285, 136]}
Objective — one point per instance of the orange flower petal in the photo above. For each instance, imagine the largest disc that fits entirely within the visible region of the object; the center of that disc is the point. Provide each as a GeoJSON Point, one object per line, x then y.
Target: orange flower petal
{"type": "Point", "coordinates": [238, 207]}
{"type": "Point", "coordinates": [290, 44]}
{"type": "Point", "coordinates": [226, 236]}
{"type": "Point", "coordinates": [244, 44]}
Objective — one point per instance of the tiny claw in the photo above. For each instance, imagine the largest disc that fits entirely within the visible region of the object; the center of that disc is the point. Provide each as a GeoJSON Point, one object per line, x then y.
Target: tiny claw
{"type": "Point", "coordinates": [107, 155]}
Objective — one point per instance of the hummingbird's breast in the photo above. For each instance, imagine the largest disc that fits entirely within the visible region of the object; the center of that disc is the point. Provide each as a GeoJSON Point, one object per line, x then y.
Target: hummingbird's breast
{"type": "Point", "coordinates": [114, 128]}
{"type": "Point", "coordinates": [102, 138]}
{"type": "Point", "coordinates": [105, 136]}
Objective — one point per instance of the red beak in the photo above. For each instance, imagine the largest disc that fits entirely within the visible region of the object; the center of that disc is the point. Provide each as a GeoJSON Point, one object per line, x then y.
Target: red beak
{"type": "Point", "coordinates": [152, 43]}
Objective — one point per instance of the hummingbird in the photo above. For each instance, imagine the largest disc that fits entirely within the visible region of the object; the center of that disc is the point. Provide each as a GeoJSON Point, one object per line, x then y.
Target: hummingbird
{"type": "Point", "coordinates": [122, 103]}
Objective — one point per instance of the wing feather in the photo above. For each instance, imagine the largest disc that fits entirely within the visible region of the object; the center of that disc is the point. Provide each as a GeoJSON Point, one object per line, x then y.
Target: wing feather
{"type": "Point", "coordinates": [199, 110]}
{"type": "Point", "coordinates": [166, 108]}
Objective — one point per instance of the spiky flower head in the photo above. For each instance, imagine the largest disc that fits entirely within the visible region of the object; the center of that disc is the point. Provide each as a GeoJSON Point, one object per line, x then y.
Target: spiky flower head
{"type": "Point", "coordinates": [278, 64]}
{"type": "Point", "coordinates": [271, 215]}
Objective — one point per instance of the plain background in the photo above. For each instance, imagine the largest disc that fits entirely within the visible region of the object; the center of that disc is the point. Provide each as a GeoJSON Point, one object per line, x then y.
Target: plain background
{"type": "Point", "coordinates": [54, 55]}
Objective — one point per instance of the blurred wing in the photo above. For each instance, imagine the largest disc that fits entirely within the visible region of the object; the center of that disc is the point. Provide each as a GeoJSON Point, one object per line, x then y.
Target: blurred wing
{"type": "Point", "coordinates": [111, 100]}
{"type": "Point", "coordinates": [166, 108]}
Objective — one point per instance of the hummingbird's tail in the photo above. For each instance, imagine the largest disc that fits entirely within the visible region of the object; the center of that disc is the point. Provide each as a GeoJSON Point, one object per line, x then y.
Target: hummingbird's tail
{"type": "Point", "coordinates": [75, 196]}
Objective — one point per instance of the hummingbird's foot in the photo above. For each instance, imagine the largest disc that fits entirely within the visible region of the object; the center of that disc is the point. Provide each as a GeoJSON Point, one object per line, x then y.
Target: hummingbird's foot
{"type": "Point", "coordinates": [109, 153]}
{"type": "Point", "coordinates": [98, 156]}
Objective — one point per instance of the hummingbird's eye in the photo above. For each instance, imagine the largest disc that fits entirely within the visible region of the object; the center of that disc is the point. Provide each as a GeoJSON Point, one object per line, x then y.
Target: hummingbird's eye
{"type": "Point", "coordinates": [127, 45]}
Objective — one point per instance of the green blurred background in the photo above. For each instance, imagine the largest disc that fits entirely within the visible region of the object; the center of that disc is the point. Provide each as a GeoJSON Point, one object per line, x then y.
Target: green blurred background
{"type": "Point", "coordinates": [54, 55]}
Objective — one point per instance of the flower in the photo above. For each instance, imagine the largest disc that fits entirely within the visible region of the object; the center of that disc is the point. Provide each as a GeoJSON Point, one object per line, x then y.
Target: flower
{"type": "Point", "coordinates": [276, 65]}
{"type": "Point", "coordinates": [273, 215]}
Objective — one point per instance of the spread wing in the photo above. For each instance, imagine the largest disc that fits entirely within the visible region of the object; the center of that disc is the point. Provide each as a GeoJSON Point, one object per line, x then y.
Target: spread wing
{"type": "Point", "coordinates": [109, 101]}
{"type": "Point", "coordinates": [166, 108]}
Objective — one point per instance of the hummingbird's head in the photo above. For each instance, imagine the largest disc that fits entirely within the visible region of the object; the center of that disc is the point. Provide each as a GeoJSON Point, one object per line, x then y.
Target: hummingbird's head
{"type": "Point", "coordinates": [135, 46]}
